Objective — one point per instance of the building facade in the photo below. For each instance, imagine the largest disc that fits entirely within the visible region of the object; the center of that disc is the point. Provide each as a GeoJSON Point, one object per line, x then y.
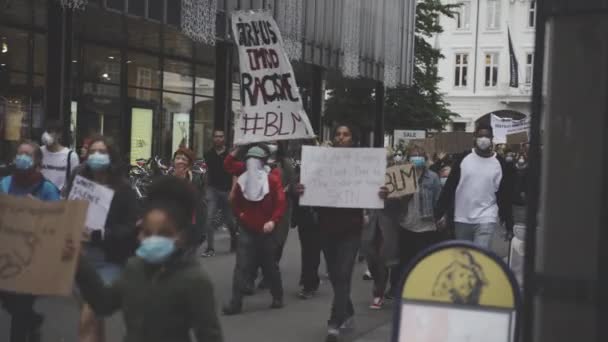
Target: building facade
{"type": "Point", "coordinates": [127, 70]}
{"type": "Point", "coordinates": [476, 68]}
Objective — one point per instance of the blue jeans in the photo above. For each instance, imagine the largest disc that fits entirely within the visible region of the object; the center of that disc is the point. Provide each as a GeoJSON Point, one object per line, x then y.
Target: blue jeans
{"type": "Point", "coordinates": [480, 234]}
{"type": "Point", "coordinates": [218, 200]}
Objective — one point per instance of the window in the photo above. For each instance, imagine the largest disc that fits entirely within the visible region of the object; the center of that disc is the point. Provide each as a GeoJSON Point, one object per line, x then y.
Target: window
{"type": "Point", "coordinates": [532, 14]}
{"type": "Point", "coordinates": [118, 5]}
{"type": "Point", "coordinates": [144, 79]}
{"type": "Point", "coordinates": [459, 127]}
{"type": "Point", "coordinates": [529, 68]}
{"type": "Point", "coordinates": [463, 16]}
{"type": "Point", "coordinates": [462, 65]}
{"type": "Point", "coordinates": [491, 76]}
{"type": "Point", "coordinates": [136, 7]}
{"type": "Point", "coordinates": [493, 22]}
{"type": "Point", "coordinates": [156, 8]}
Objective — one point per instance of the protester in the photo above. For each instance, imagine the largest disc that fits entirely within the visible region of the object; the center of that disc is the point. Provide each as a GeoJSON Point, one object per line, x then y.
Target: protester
{"type": "Point", "coordinates": [259, 204]}
{"type": "Point", "coordinates": [183, 159]}
{"type": "Point", "coordinates": [26, 180]}
{"type": "Point", "coordinates": [444, 173]}
{"type": "Point", "coordinates": [440, 161]}
{"type": "Point", "coordinates": [219, 183]}
{"type": "Point", "coordinates": [419, 230]}
{"type": "Point", "coordinates": [58, 161]}
{"type": "Point", "coordinates": [107, 250]}
{"type": "Point", "coordinates": [380, 244]}
{"type": "Point", "coordinates": [341, 229]}
{"type": "Point", "coordinates": [478, 193]}
{"type": "Point", "coordinates": [163, 292]}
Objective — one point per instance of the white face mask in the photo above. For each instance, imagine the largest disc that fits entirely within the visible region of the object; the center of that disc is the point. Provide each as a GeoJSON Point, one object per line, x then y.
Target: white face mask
{"type": "Point", "coordinates": [254, 182]}
{"type": "Point", "coordinates": [483, 143]}
{"type": "Point", "coordinates": [398, 158]}
{"type": "Point", "coordinates": [47, 139]}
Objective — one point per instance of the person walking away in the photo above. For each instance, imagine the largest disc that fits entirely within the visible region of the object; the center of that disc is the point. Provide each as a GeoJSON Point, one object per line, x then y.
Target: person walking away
{"type": "Point", "coordinates": [183, 159]}
{"type": "Point", "coordinates": [419, 230]}
{"type": "Point", "coordinates": [341, 229]}
{"type": "Point", "coordinates": [107, 250]}
{"type": "Point", "coordinates": [478, 194]}
{"type": "Point", "coordinates": [219, 183]}
{"type": "Point", "coordinates": [58, 161]}
{"type": "Point", "coordinates": [26, 180]}
{"type": "Point", "coordinates": [163, 292]}
{"type": "Point", "coordinates": [259, 205]}
{"type": "Point", "coordinates": [380, 243]}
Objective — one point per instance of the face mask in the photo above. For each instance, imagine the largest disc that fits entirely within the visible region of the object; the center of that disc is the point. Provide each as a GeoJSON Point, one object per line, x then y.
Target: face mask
{"type": "Point", "coordinates": [509, 159]}
{"type": "Point", "coordinates": [522, 161]}
{"type": "Point", "coordinates": [484, 143]}
{"type": "Point", "coordinates": [398, 158]}
{"type": "Point", "coordinates": [418, 161]}
{"type": "Point", "coordinates": [23, 162]}
{"type": "Point", "coordinates": [47, 139]}
{"type": "Point", "coordinates": [98, 161]}
{"type": "Point", "coordinates": [443, 180]}
{"type": "Point", "coordinates": [273, 148]}
{"type": "Point", "coordinates": [156, 249]}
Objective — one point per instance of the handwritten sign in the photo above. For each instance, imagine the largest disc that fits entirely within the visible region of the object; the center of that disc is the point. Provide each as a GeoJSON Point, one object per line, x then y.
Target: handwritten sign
{"type": "Point", "coordinates": [33, 234]}
{"type": "Point", "coordinates": [343, 177]}
{"type": "Point", "coordinates": [503, 127]}
{"type": "Point", "coordinates": [99, 198]}
{"type": "Point", "coordinates": [270, 100]}
{"type": "Point", "coordinates": [401, 180]}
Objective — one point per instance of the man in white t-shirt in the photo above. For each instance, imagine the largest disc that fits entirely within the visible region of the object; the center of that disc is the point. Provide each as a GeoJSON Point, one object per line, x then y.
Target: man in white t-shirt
{"type": "Point", "coordinates": [58, 161]}
{"type": "Point", "coordinates": [478, 194]}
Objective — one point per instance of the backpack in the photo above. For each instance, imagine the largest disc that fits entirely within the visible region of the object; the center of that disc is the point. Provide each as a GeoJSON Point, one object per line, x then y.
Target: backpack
{"type": "Point", "coordinates": [68, 171]}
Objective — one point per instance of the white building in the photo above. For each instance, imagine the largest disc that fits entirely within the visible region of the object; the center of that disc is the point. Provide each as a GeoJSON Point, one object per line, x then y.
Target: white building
{"type": "Point", "coordinates": [476, 68]}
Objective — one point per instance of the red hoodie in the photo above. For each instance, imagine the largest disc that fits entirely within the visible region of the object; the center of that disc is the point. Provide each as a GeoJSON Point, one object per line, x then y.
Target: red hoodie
{"type": "Point", "coordinates": [253, 215]}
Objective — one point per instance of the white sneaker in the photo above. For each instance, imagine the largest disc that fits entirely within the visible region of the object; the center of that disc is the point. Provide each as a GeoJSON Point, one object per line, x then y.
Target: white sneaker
{"type": "Point", "coordinates": [349, 324]}
{"type": "Point", "coordinates": [332, 334]}
{"type": "Point", "coordinates": [377, 303]}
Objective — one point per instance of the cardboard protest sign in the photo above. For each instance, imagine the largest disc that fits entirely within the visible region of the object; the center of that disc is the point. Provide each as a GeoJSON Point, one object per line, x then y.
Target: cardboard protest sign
{"type": "Point", "coordinates": [33, 234]}
{"type": "Point", "coordinates": [99, 198]}
{"type": "Point", "coordinates": [401, 180]}
{"type": "Point", "coordinates": [343, 177]}
{"type": "Point", "coordinates": [270, 100]}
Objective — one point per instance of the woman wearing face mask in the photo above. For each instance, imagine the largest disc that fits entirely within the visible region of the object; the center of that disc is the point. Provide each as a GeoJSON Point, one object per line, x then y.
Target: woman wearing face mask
{"type": "Point", "coordinates": [107, 250]}
{"type": "Point", "coordinates": [163, 292]}
{"type": "Point", "coordinates": [259, 203]}
{"type": "Point", "coordinates": [183, 160]}
{"type": "Point", "coordinates": [26, 180]}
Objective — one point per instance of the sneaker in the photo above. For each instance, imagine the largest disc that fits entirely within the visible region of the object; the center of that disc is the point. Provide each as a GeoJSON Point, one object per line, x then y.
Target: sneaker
{"type": "Point", "coordinates": [277, 304]}
{"type": "Point", "coordinates": [367, 275]}
{"type": "Point", "coordinates": [389, 296]}
{"type": "Point", "coordinates": [306, 294]}
{"type": "Point", "coordinates": [208, 253]}
{"type": "Point", "coordinates": [348, 324]}
{"type": "Point", "coordinates": [333, 334]}
{"type": "Point", "coordinates": [377, 303]}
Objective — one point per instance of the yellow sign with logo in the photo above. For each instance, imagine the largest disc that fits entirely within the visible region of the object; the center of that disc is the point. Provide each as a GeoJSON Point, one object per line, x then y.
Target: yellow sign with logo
{"type": "Point", "coordinates": [462, 276]}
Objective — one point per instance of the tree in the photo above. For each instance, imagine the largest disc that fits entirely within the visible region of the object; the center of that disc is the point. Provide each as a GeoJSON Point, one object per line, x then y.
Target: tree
{"type": "Point", "coordinates": [420, 105]}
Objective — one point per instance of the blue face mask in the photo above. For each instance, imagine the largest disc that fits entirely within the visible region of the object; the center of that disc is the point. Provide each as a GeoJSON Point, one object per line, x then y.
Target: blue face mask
{"type": "Point", "coordinates": [98, 161]}
{"type": "Point", "coordinates": [23, 162]}
{"type": "Point", "coordinates": [156, 249]}
{"type": "Point", "coordinates": [418, 161]}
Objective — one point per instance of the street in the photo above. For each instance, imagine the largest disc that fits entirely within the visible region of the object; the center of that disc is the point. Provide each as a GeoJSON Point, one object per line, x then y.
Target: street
{"type": "Point", "coordinates": [299, 321]}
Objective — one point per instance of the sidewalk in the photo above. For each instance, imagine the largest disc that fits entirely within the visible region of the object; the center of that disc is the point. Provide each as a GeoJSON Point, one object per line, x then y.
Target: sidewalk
{"type": "Point", "coordinates": [380, 334]}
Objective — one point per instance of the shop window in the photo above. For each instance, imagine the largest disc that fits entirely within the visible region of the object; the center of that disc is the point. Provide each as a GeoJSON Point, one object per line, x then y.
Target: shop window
{"type": "Point", "coordinates": [99, 112]}
{"type": "Point", "coordinates": [13, 49]}
{"type": "Point", "coordinates": [175, 122]}
{"type": "Point", "coordinates": [143, 71]}
{"type": "Point", "coordinates": [177, 76]}
{"type": "Point", "coordinates": [136, 7]}
{"type": "Point", "coordinates": [156, 10]}
{"type": "Point", "coordinates": [102, 64]}
{"type": "Point", "coordinates": [204, 84]}
{"type": "Point", "coordinates": [174, 13]}
{"type": "Point", "coordinates": [203, 125]}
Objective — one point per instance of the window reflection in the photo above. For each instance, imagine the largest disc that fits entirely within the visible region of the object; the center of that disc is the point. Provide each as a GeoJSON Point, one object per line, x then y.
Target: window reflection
{"type": "Point", "coordinates": [177, 76]}
{"type": "Point", "coordinates": [203, 125]}
{"type": "Point", "coordinates": [175, 122]}
{"type": "Point", "coordinates": [143, 70]}
{"type": "Point", "coordinates": [102, 64]}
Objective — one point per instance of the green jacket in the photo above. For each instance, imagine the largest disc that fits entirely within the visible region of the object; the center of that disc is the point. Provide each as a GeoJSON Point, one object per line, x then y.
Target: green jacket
{"type": "Point", "coordinates": [160, 303]}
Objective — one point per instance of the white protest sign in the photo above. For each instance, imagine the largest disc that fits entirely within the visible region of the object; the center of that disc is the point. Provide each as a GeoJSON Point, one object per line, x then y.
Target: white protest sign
{"type": "Point", "coordinates": [271, 105]}
{"type": "Point", "coordinates": [343, 177]}
{"type": "Point", "coordinates": [503, 127]}
{"type": "Point", "coordinates": [99, 198]}
{"type": "Point", "coordinates": [403, 137]}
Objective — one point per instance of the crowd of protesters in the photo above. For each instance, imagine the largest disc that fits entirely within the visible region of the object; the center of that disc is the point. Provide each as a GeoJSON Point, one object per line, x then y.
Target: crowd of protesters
{"type": "Point", "coordinates": [146, 262]}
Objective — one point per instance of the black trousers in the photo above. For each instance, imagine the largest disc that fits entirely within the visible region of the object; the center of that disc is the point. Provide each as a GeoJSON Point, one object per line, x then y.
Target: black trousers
{"type": "Point", "coordinates": [251, 249]}
{"type": "Point", "coordinates": [25, 322]}
{"type": "Point", "coordinates": [411, 244]}
{"type": "Point", "coordinates": [311, 247]}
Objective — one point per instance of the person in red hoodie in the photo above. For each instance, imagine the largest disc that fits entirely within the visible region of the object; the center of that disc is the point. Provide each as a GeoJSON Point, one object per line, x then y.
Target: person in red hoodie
{"type": "Point", "coordinates": [258, 202]}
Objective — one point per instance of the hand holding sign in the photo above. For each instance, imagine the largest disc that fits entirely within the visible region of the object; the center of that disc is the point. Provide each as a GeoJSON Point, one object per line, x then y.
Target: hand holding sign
{"type": "Point", "coordinates": [401, 180]}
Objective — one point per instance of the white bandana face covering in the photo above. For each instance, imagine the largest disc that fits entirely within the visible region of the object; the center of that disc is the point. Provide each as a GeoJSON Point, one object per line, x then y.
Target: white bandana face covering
{"type": "Point", "coordinates": [254, 182]}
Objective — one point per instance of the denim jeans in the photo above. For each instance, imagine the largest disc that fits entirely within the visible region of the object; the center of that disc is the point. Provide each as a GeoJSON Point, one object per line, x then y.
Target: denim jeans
{"type": "Point", "coordinates": [341, 254]}
{"type": "Point", "coordinates": [480, 234]}
{"type": "Point", "coordinates": [251, 248]}
{"type": "Point", "coordinates": [218, 200]}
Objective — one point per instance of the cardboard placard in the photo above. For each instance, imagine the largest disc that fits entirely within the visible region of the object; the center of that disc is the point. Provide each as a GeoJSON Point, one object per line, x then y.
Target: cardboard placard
{"type": "Point", "coordinates": [99, 198]}
{"type": "Point", "coordinates": [401, 180]}
{"type": "Point", "coordinates": [33, 234]}
{"type": "Point", "coordinates": [343, 177]}
{"type": "Point", "coordinates": [271, 104]}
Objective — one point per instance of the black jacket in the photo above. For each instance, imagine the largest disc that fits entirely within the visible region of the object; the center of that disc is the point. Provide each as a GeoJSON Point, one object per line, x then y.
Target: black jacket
{"type": "Point", "coordinates": [504, 196]}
